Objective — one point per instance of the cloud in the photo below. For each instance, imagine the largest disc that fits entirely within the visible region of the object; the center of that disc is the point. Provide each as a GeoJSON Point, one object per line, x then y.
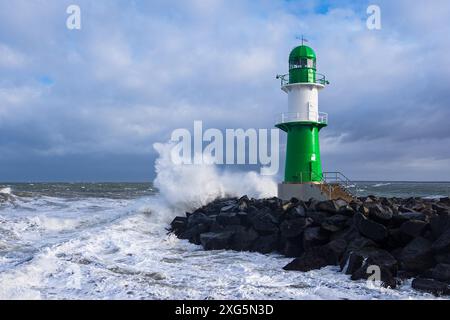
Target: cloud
{"type": "Point", "coordinates": [138, 70]}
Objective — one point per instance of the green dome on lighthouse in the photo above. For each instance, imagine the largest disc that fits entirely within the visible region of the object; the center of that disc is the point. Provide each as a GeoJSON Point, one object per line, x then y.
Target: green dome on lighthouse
{"type": "Point", "coordinates": [302, 65]}
{"type": "Point", "coordinates": [302, 52]}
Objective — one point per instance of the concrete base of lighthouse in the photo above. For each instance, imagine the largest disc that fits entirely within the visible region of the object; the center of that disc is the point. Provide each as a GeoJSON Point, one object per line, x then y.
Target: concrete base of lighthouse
{"type": "Point", "coordinates": [301, 191]}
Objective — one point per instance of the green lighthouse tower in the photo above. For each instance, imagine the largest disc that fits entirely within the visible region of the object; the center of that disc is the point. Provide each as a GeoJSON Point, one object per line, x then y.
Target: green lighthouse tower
{"type": "Point", "coordinates": [302, 123]}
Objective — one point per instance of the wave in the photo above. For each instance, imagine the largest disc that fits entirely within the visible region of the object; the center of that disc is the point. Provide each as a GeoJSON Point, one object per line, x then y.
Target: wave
{"type": "Point", "coordinates": [186, 187]}
{"type": "Point", "coordinates": [381, 184]}
{"type": "Point", "coordinates": [6, 191]}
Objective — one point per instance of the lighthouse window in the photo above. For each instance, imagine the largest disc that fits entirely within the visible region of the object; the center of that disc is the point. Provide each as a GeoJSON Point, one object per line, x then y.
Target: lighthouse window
{"type": "Point", "coordinates": [302, 63]}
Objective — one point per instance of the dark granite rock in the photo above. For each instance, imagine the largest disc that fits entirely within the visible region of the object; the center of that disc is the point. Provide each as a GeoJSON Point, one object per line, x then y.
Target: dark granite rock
{"type": "Point", "coordinates": [441, 272]}
{"type": "Point", "coordinates": [216, 241]}
{"type": "Point", "coordinates": [266, 244]}
{"type": "Point", "coordinates": [442, 244]}
{"type": "Point", "coordinates": [313, 237]}
{"type": "Point", "coordinates": [370, 229]}
{"type": "Point", "coordinates": [431, 286]}
{"type": "Point", "coordinates": [335, 223]}
{"type": "Point", "coordinates": [293, 228]}
{"type": "Point", "coordinates": [413, 228]}
{"type": "Point", "coordinates": [417, 255]}
{"type": "Point", "coordinates": [243, 239]}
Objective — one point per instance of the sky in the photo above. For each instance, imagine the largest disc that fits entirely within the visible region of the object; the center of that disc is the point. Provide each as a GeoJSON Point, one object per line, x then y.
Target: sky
{"type": "Point", "coordinates": [87, 105]}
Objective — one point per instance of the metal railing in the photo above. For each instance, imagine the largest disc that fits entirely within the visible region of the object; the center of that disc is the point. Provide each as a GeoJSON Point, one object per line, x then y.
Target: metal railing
{"type": "Point", "coordinates": [341, 179]}
{"type": "Point", "coordinates": [320, 117]}
{"type": "Point", "coordinates": [284, 79]}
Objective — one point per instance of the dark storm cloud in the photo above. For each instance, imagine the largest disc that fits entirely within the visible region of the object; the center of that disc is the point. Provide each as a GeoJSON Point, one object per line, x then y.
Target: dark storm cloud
{"type": "Point", "coordinates": [137, 70]}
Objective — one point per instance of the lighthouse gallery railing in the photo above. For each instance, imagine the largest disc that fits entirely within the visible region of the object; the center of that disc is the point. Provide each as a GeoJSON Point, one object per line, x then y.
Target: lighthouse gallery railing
{"type": "Point", "coordinates": [320, 117]}
{"type": "Point", "coordinates": [320, 79]}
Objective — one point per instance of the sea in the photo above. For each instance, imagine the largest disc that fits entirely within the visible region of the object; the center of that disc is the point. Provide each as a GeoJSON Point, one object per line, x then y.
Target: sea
{"type": "Point", "coordinates": [110, 241]}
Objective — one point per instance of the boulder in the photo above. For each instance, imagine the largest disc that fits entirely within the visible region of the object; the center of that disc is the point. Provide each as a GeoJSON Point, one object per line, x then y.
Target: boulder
{"type": "Point", "coordinates": [442, 244]}
{"type": "Point", "coordinates": [292, 248]}
{"type": "Point", "coordinates": [372, 256]}
{"type": "Point", "coordinates": [335, 223]}
{"type": "Point", "coordinates": [417, 255]}
{"type": "Point", "coordinates": [311, 259]}
{"type": "Point", "coordinates": [439, 224]}
{"type": "Point", "coordinates": [431, 286]}
{"type": "Point", "coordinates": [243, 239]}
{"type": "Point", "coordinates": [413, 228]}
{"type": "Point", "coordinates": [266, 244]}
{"type": "Point", "coordinates": [441, 272]}
{"type": "Point", "coordinates": [336, 249]}
{"type": "Point", "coordinates": [313, 237]}
{"type": "Point", "coordinates": [216, 241]}
{"type": "Point", "coordinates": [193, 234]}
{"type": "Point", "coordinates": [442, 258]}
{"type": "Point", "coordinates": [178, 225]}
{"type": "Point", "coordinates": [327, 206]}
{"type": "Point", "coordinates": [379, 213]}
{"type": "Point", "coordinates": [264, 222]}
{"type": "Point", "coordinates": [411, 215]}
{"type": "Point", "coordinates": [199, 218]}
{"type": "Point", "coordinates": [440, 209]}
{"type": "Point", "coordinates": [318, 217]}
{"type": "Point", "coordinates": [370, 229]}
{"type": "Point", "coordinates": [293, 228]}
{"type": "Point", "coordinates": [228, 218]}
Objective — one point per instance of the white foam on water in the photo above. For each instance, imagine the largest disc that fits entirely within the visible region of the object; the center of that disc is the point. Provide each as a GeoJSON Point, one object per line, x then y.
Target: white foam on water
{"type": "Point", "coordinates": [381, 184]}
{"type": "Point", "coordinates": [6, 190]}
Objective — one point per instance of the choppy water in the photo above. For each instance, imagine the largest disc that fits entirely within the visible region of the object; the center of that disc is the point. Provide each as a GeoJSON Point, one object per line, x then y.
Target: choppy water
{"type": "Point", "coordinates": [108, 241]}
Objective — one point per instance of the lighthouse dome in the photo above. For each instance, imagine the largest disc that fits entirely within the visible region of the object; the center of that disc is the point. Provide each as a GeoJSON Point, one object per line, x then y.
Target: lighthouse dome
{"type": "Point", "coordinates": [302, 52]}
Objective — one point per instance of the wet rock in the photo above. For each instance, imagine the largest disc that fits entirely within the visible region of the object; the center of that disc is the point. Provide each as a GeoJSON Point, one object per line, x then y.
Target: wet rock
{"type": "Point", "coordinates": [431, 286]}
{"type": "Point", "coordinates": [370, 229]}
{"type": "Point", "coordinates": [313, 237]}
{"type": "Point", "coordinates": [266, 244]}
{"type": "Point", "coordinates": [293, 248]}
{"type": "Point", "coordinates": [216, 241]}
{"type": "Point", "coordinates": [417, 255]}
{"type": "Point", "coordinates": [413, 228]}
{"type": "Point", "coordinates": [372, 256]}
{"type": "Point", "coordinates": [441, 272]}
{"type": "Point", "coordinates": [443, 258]}
{"type": "Point", "coordinates": [178, 225]}
{"type": "Point", "coordinates": [442, 244]}
{"type": "Point", "coordinates": [336, 249]}
{"type": "Point", "coordinates": [379, 213]}
{"type": "Point", "coordinates": [327, 206]}
{"type": "Point", "coordinates": [199, 218]}
{"type": "Point", "coordinates": [440, 209]}
{"type": "Point", "coordinates": [335, 223]}
{"type": "Point", "coordinates": [263, 222]}
{"type": "Point", "coordinates": [243, 239]}
{"type": "Point", "coordinates": [312, 259]}
{"type": "Point", "coordinates": [193, 234]}
{"type": "Point", "coordinates": [318, 217]}
{"type": "Point", "coordinates": [293, 228]}
{"type": "Point", "coordinates": [412, 215]}
{"type": "Point", "coordinates": [439, 224]}
{"type": "Point", "coordinates": [228, 218]}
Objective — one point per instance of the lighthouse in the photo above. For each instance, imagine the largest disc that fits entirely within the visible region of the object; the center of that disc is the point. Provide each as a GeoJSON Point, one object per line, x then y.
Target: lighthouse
{"type": "Point", "coordinates": [303, 176]}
